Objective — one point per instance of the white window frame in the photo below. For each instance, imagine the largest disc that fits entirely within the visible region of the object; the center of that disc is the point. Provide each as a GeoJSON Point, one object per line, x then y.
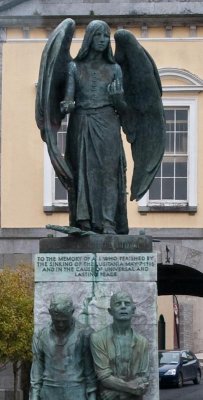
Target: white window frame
{"type": "Point", "coordinates": [191, 104]}
{"type": "Point", "coordinates": [50, 204]}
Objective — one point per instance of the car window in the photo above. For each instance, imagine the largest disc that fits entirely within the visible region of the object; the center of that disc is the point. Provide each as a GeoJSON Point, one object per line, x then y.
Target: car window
{"type": "Point", "coordinates": [190, 356]}
{"type": "Point", "coordinates": [184, 354]}
{"type": "Point", "coordinates": [171, 357]}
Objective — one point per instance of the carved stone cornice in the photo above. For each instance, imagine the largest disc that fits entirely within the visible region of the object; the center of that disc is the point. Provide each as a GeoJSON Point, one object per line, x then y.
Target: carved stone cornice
{"type": "Point", "coordinates": [6, 4]}
{"type": "Point", "coordinates": [90, 9]}
{"type": "Point", "coordinates": [126, 21]}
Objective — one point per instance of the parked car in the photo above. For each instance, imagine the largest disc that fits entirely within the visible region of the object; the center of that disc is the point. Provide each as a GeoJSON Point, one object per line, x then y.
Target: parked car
{"type": "Point", "coordinates": [177, 367]}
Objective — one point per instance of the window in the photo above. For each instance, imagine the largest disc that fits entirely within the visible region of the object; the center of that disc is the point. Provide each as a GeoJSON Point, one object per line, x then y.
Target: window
{"type": "Point", "coordinates": [55, 195]}
{"type": "Point", "coordinates": [174, 186]}
{"type": "Point", "coordinates": [60, 193]}
{"type": "Point", "coordinates": [170, 183]}
{"type": "Point", "coordinates": [190, 356]}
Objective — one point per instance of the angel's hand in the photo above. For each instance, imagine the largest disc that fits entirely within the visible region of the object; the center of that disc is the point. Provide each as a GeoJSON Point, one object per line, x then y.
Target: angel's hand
{"type": "Point", "coordinates": [116, 94]}
{"type": "Point", "coordinates": [115, 88]}
{"type": "Point", "coordinates": [67, 106]}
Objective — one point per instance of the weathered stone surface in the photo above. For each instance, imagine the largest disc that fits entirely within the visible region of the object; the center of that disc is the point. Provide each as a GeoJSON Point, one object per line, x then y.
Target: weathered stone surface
{"type": "Point", "coordinates": [6, 378]}
{"type": "Point", "coordinates": [97, 244]}
{"type": "Point", "coordinates": [14, 259]}
{"type": "Point", "coordinates": [9, 394]}
{"type": "Point", "coordinates": [112, 7]}
{"type": "Point", "coordinates": [80, 292]}
{"type": "Point", "coordinates": [191, 323]}
{"type": "Point", "coordinates": [186, 324]}
{"type": "Point", "coordinates": [2, 36]}
{"type": "Point", "coordinates": [144, 296]}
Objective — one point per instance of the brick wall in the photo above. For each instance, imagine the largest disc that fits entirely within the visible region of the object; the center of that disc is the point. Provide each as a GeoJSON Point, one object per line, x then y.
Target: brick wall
{"type": "Point", "coordinates": [186, 326]}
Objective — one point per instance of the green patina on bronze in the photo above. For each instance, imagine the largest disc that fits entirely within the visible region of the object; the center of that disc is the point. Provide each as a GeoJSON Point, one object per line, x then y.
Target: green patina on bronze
{"type": "Point", "coordinates": [102, 93]}
{"type": "Point", "coordinates": [62, 365]}
{"type": "Point", "coordinates": [121, 356]}
{"type": "Point", "coordinates": [70, 362]}
{"type": "Point", "coordinates": [70, 230]}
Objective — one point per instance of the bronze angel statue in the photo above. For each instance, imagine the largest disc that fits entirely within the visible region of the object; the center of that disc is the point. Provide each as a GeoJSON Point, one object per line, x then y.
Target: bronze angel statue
{"type": "Point", "coordinates": [102, 93]}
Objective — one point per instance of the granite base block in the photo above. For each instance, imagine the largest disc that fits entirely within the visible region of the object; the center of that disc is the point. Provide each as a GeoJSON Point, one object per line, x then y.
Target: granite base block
{"type": "Point", "coordinates": [91, 292]}
{"type": "Point", "coordinates": [9, 394]}
{"type": "Point", "coordinates": [97, 243]}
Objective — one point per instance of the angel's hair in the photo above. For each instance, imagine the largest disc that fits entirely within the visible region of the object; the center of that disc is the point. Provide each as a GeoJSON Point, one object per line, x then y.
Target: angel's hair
{"type": "Point", "coordinates": [91, 29]}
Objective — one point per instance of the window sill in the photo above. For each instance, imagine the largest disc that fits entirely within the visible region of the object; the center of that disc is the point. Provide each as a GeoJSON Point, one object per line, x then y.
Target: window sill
{"type": "Point", "coordinates": [172, 209]}
{"type": "Point", "coordinates": [55, 209]}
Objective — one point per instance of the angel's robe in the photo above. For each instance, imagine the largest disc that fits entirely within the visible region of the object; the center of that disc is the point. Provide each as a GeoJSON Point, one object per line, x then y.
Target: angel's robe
{"type": "Point", "coordinates": [94, 148]}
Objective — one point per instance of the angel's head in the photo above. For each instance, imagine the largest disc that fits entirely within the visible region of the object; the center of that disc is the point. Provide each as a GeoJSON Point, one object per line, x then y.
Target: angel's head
{"type": "Point", "coordinates": [95, 29]}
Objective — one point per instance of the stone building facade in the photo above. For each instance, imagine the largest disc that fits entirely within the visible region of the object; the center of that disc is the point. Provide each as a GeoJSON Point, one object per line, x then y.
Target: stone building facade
{"type": "Point", "coordinates": [30, 197]}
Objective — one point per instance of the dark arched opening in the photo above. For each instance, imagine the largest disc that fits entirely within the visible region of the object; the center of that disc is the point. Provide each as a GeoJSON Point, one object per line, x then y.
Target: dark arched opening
{"type": "Point", "coordinates": [161, 333]}
{"type": "Point", "coordinates": [179, 279]}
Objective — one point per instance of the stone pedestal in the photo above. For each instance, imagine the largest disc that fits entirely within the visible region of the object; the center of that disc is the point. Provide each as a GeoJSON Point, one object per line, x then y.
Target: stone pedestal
{"type": "Point", "coordinates": [90, 269]}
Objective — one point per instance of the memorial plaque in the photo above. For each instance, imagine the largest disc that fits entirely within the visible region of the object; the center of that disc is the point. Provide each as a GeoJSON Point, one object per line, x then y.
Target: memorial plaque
{"type": "Point", "coordinates": [97, 267]}
{"type": "Point", "coordinates": [67, 267]}
{"type": "Point", "coordinates": [122, 267]}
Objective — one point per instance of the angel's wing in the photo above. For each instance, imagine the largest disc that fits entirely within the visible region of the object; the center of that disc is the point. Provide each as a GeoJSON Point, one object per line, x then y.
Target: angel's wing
{"type": "Point", "coordinates": [143, 122]}
{"type": "Point", "coordinates": [51, 90]}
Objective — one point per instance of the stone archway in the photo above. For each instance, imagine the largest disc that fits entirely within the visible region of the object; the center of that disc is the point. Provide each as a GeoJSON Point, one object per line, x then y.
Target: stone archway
{"type": "Point", "coordinates": [180, 272]}
{"type": "Point", "coordinates": [180, 269]}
